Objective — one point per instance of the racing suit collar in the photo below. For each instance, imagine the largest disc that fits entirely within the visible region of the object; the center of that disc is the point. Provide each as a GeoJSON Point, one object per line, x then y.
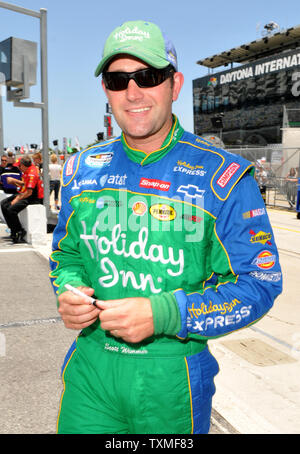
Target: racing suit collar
{"type": "Point", "coordinates": [142, 158]}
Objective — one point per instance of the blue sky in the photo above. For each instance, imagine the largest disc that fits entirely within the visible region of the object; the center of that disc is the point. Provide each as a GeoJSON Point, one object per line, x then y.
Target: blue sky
{"type": "Point", "coordinates": [76, 34]}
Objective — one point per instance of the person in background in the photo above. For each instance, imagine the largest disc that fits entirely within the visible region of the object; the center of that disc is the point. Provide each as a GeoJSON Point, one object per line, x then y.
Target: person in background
{"type": "Point", "coordinates": [55, 174]}
{"type": "Point", "coordinates": [28, 194]}
{"type": "Point", "coordinates": [2, 168]}
{"type": "Point", "coordinates": [3, 165]}
{"type": "Point", "coordinates": [38, 161]}
{"type": "Point", "coordinates": [9, 169]}
{"type": "Point", "coordinates": [261, 178]}
{"type": "Point", "coordinates": [291, 184]}
{"type": "Point", "coordinates": [11, 158]}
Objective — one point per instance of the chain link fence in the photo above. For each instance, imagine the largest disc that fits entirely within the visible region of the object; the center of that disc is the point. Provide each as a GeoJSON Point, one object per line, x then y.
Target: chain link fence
{"type": "Point", "coordinates": [277, 172]}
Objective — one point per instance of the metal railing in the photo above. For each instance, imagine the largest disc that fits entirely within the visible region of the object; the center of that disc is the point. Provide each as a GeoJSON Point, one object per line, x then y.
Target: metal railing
{"type": "Point", "coordinates": [274, 167]}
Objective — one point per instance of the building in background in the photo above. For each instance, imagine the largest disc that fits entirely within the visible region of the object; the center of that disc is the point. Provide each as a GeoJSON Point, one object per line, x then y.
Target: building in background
{"type": "Point", "coordinates": [247, 104]}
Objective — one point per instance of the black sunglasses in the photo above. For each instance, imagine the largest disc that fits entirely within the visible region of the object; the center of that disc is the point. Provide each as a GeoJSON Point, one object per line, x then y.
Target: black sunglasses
{"type": "Point", "coordinates": [144, 78]}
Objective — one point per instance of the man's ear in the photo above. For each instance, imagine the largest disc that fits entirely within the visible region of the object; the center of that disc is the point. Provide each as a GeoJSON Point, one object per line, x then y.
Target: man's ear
{"type": "Point", "coordinates": [178, 80]}
{"type": "Point", "coordinates": [103, 86]}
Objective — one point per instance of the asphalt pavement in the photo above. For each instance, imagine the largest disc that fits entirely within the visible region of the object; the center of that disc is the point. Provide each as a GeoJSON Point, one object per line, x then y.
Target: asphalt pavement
{"type": "Point", "coordinates": [258, 388]}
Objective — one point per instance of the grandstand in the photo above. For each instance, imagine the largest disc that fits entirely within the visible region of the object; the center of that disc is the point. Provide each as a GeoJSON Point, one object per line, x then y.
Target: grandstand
{"type": "Point", "coordinates": [243, 102]}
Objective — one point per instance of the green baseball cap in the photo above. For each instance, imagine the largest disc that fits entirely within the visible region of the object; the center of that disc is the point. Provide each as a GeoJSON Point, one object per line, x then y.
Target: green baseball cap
{"type": "Point", "coordinates": [141, 39]}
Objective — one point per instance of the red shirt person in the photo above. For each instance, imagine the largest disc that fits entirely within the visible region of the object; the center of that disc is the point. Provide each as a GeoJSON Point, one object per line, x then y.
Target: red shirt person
{"type": "Point", "coordinates": [30, 193]}
{"type": "Point", "coordinates": [32, 183]}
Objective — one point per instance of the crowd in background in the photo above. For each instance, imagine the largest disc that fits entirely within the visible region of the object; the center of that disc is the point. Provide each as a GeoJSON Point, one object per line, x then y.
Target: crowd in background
{"type": "Point", "coordinates": [10, 168]}
{"type": "Point", "coordinates": [21, 184]}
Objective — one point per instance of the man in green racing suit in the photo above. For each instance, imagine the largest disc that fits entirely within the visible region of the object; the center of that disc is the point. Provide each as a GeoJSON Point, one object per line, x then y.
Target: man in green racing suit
{"type": "Point", "coordinates": [172, 237]}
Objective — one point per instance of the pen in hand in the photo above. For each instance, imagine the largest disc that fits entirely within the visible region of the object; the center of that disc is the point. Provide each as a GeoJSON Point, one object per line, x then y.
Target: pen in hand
{"type": "Point", "coordinates": [77, 292]}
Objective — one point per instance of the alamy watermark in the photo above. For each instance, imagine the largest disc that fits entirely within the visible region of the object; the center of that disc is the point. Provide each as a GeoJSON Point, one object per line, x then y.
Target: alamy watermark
{"type": "Point", "coordinates": [151, 213]}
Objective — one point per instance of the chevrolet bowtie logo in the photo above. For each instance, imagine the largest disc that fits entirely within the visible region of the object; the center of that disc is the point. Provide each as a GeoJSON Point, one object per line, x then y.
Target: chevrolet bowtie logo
{"type": "Point", "coordinates": [191, 191]}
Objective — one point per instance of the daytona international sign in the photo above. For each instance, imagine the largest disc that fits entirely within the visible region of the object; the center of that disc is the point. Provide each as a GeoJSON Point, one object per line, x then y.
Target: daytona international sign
{"type": "Point", "coordinates": [283, 61]}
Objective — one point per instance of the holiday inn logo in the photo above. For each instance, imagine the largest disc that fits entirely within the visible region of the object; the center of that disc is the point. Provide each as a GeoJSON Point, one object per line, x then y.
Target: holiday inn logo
{"type": "Point", "coordinates": [131, 34]}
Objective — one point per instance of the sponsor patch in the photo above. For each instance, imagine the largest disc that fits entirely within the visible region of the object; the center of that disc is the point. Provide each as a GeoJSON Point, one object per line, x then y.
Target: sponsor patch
{"type": "Point", "coordinates": [103, 179]}
{"type": "Point", "coordinates": [254, 213]}
{"type": "Point", "coordinates": [219, 320]}
{"type": "Point", "coordinates": [204, 309]}
{"type": "Point", "coordinates": [191, 191]}
{"type": "Point", "coordinates": [268, 277]}
{"type": "Point", "coordinates": [228, 174]}
{"type": "Point", "coordinates": [260, 237]}
{"type": "Point", "coordinates": [189, 169]}
{"type": "Point", "coordinates": [118, 180]}
{"type": "Point", "coordinates": [192, 218]}
{"type": "Point", "coordinates": [99, 160]}
{"type": "Point", "coordinates": [265, 260]}
{"type": "Point", "coordinates": [155, 184]}
{"type": "Point", "coordinates": [78, 184]}
{"type": "Point", "coordinates": [70, 163]}
{"type": "Point", "coordinates": [86, 200]}
{"type": "Point", "coordinates": [163, 212]}
{"type": "Point", "coordinates": [139, 208]}
{"type": "Point", "coordinates": [101, 203]}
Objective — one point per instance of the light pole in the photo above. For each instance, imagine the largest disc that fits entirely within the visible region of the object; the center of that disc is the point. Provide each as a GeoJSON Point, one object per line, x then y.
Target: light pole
{"type": "Point", "coordinates": [43, 105]}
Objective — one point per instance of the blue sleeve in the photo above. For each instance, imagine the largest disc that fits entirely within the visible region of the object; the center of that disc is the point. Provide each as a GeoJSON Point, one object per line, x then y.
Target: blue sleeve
{"type": "Point", "coordinates": [246, 275]}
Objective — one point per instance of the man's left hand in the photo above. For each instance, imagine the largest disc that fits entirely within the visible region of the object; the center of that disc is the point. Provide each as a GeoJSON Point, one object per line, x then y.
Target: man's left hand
{"type": "Point", "coordinates": [15, 200]}
{"type": "Point", "coordinates": [128, 318]}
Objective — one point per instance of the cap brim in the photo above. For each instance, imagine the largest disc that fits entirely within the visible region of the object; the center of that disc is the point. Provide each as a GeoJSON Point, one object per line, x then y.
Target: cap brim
{"type": "Point", "coordinates": [151, 59]}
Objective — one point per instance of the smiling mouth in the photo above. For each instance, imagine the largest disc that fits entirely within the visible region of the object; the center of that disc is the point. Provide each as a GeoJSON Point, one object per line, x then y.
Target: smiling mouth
{"type": "Point", "coordinates": [142, 109]}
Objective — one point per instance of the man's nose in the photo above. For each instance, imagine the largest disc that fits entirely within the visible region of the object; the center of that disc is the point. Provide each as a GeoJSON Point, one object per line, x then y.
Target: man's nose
{"type": "Point", "coordinates": [133, 91]}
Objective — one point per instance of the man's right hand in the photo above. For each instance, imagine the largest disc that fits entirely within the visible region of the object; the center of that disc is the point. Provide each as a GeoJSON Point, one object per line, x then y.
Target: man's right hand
{"type": "Point", "coordinates": [76, 311]}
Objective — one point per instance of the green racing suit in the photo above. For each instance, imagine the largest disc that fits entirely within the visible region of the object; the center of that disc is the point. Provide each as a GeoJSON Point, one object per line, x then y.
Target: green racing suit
{"type": "Point", "coordinates": [185, 226]}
